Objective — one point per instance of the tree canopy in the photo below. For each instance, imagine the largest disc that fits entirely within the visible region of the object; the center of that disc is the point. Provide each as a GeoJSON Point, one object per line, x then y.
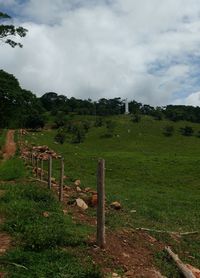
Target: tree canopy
{"type": "Point", "coordinates": [7, 32]}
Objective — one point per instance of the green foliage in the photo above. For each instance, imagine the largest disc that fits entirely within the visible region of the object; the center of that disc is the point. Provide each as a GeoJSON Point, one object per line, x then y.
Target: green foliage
{"type": "Point", "coordinates": [9, 31]}
{"type": "Point", "coordinates": [34, 121]}
{"type": "Point", "coordinates": [2, 137]}
{"type": "Point", "coordinates": [110, 125]}
{"type": "Point", "coordinates": [39, 238]}
{"type": "Point", "coordinates": [168, 130]}
{"type": "Point", "coordinates": [187, 130]}
{"type": "Point", "coordinates": [136, 118]}
{"type": "Point", "coordinates": [24, 207]}
{"type": "Point", "coordinates": [99, 122]}
{"type": "Point", "coordinates": [61, 119]}
{"type": "Point", "coordinates": [50, 263]}
{"type": "Point", "coordinates": [60, 136]}
{"type": "Point", "coordinates": [79, 134]}
{"type": "Point", "coordinates": [12, 169]}
{"type": "Point", "coordinates": [15, 101]}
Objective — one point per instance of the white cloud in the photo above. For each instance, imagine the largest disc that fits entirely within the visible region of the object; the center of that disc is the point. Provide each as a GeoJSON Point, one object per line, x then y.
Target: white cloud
{"type": "Point", "coordinates": [92, 49]}
{"type": "Point", "coordinates": [192, 99]}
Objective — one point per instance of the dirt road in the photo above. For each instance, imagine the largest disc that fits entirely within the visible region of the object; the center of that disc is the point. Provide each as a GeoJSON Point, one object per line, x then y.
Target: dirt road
{"type": "Point", "coordinates": [10, 146]}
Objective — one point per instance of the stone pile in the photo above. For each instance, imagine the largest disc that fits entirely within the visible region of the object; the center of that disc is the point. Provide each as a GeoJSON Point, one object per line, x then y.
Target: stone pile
{"type": "Point", "coordinates": [43, 152]}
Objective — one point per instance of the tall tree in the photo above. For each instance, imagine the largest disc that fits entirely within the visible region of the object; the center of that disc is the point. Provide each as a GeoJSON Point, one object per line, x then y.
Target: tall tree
{"type": "Point", "coordinates": [7, 32]}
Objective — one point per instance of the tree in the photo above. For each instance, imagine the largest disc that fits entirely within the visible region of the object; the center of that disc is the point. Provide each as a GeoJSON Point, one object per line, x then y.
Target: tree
{"type": "Point", "coordinates": [7, 32]}
{"type": "Point", "coordinates": [34, 121]}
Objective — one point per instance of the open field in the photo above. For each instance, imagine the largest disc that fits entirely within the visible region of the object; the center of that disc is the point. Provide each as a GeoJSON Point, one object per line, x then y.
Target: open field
{"type": "Point", "coordinates": [155, 175]}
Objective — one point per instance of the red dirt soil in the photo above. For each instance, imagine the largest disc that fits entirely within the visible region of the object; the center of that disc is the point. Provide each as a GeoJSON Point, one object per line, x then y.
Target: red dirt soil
{"type": "Point", "coordinates": [10, 146]}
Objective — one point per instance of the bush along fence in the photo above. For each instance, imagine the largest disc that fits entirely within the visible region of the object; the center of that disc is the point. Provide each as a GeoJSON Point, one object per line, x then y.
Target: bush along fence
{"type": "Point", "coordinates": [41, 159]}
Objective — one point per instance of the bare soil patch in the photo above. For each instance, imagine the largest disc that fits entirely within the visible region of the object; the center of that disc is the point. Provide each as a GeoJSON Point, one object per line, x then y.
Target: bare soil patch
{"type": "Point", "coordinates": [10, 146]}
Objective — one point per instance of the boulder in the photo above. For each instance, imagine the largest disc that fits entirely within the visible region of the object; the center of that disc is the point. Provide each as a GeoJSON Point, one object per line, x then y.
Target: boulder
{"type": "Point", "coordinates": [78, 189]}
{"type": "Point", "coordinates": [77, 182]}
{"type": "Point", "coordinates": [116, 205]}
{"type": "Point", "coordinates": [81, 204]}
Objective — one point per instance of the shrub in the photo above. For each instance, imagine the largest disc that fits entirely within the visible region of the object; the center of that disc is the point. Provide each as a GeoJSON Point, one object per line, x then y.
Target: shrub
{"type": "Point", "coordinates": [79, 135]}
{"type": "Point", "coordinates": [60, 136]}
{"type": "Point", "coordinates": [136, 118]}
{"type": "Point", "coordinates": [34, 122]}
{"type": "Point", "coordinates": [186, 131]}
{"type": "Point", "coordinates": [99, 122]}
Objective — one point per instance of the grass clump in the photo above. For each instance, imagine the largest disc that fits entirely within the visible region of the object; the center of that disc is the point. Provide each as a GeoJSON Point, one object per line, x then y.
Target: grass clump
{"type": "Point", "coordinates": [35, 219]}
{"type": "Point", "coordinates": [50, 263]}
{"type": "Point", "coordinates": [12, 169]}
{"type": "Point", "coordinates": [25, 207]}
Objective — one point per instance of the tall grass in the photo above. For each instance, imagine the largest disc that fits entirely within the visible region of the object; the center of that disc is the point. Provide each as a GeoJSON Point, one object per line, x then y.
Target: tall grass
{"type": "Point", "coordinates": [40, 237]}
{"type": "Point", "coordinates": [12, 169]}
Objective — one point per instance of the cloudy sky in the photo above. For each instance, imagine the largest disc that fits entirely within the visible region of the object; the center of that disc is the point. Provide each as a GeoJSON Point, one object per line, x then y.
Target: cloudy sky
{"type": "Point", "coordinates": [147, 50]}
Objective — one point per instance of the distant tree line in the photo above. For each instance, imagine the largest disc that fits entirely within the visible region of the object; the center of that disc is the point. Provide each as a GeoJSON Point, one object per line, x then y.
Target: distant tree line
{"type": "Point", "coordinates": [22, 108]}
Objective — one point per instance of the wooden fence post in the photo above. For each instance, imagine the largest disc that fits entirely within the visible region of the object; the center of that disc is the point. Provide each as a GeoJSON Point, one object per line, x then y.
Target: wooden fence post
{"type": "Point", "coordinates": [37, 164]}
{"type": "Point", "coordinates": [101, 204]}
{"type": "Point", "coordinates": [61, 180]}
{"type": "Point", "coordinates": [32, 163]}
{"type": "Point", "coordinates": [49, 171]}
{"type": "Point", "coordinates": [41, 169]}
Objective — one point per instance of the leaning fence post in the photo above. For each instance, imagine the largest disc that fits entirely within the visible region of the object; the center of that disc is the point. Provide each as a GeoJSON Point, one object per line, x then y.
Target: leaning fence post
{"type": "Point", "coordinates": [32, 162]}
{"type": "Point", "coordinates": [101, 204]}
{"type": "Point", "coordinates": [49, 171]}
{"type": "Point", "coordinates": [61, 180]}
{"type": "Point", "coordinates": [41, 167]}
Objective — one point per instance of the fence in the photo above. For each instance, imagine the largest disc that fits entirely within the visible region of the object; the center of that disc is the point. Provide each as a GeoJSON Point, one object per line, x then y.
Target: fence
{"type": "Point", "coordinates": [43, 173]}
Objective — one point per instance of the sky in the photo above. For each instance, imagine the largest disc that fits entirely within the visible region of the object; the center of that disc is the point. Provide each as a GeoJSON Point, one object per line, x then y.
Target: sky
{"type": "Point", "coordinates": [147, 50]}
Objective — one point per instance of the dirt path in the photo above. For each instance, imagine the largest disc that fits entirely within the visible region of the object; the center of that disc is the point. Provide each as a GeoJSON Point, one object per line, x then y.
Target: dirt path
{"type": "Point", "coordinates": [10, 146]}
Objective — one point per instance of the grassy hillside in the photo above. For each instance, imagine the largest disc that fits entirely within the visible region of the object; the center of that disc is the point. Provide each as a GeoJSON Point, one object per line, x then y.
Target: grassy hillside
{"type": "Point", "coordinates": [145, 170]}
{"type": "Point", "coordinates": [155, 175]}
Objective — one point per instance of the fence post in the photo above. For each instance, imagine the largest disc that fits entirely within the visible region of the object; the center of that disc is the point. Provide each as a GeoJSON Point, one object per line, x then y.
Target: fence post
{"type": "Point", "coordinates": [32, 159]}
{"type": "Point", "coordinates": [37, 164]}
{"type": "Point", "coordinates": [61, 180]}
{"type": "Point", "coordinates": [41, 167]}
{"type": "Point", "coordinates": [49, 171]}
{"type": "Point", "coordinates": [101, 204]}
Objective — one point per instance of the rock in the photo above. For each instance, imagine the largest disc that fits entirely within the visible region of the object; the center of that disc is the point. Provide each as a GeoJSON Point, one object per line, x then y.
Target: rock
{"type": "Point", "coordinates": [87, 189]}
{"type": "Point", "coordinates": [94, 200]}
{"type": "Point", "coordinates": [78, 189]}
{"type": "Point", "coordinates": [81, 204]}
{"type": "Point", "coordinates": [115, 275]}
{"type": "Point", "coordinates": [133, 211]}
{"type": "Point", "coordinates": [67, 187]}
{"type": "Point", "coordinates": [129, 273]}
{"type": "Point", "coordinates": [116, 205]}
{"type": "Point", "coordinates": [46, 214]}
{"type": "Point", "coordinates": [64, 211]}
{"type": "Point", "coordinates": [194, 270]}
{"type": "Point", "coordinates": [126, 255]}
{"type": "Point", "coordinates": [77, 182]}
{"type": "Point", "coordinates": [53, 180]}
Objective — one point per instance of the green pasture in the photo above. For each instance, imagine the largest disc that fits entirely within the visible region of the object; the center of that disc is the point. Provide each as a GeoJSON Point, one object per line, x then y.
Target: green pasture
{"type": "Point", "coordinates": [147, 172]}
